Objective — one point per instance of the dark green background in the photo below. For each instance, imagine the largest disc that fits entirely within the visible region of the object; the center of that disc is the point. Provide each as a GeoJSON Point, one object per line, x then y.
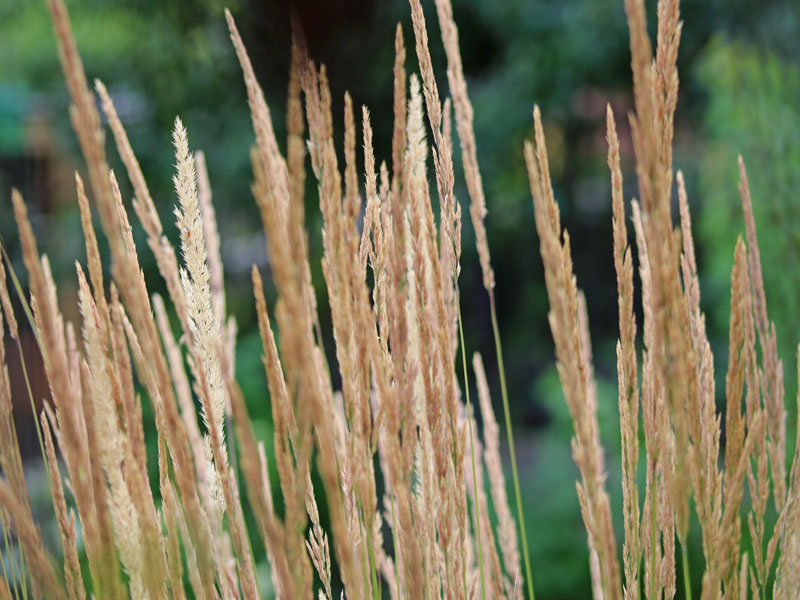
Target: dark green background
{"type": "Point", "coordinates": [740, 93]}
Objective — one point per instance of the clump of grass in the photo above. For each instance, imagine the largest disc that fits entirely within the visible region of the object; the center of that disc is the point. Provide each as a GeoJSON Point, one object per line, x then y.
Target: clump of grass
{"type": "Point", "coordinates": [397, 342]}
{"type": "Point", "coordinates": [682, 428]}
{"type": "Point", "coordinates": [400, 406]}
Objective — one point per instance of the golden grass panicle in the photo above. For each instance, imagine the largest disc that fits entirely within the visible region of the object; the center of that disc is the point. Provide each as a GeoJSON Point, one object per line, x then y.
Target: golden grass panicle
{"type": "Point", "coordinates": [627, 367]}
{"type": "Point", "coordinates": [292, 486]}
{"type": "Point", "coordinates": [145, 209]}
{"type": "Point", "coordinates": [574, 372]}
{"type": "Point", "coordinates": [76, 453]}
{"type": "Point", "coordinates": [209, 219]}
{"type": "Point", "coordinates": [772, 365]}
{"type": "Point", "coordinates": [205, 324]}
{"type": "Point", "coordinates": [127, 274]}
{"type": "Point", "coordinates": [442, 274]}
{"type": "Point", "coordinates": [204, 315]}
{"type": "Point", "coordinates": [305, 370]}
{"type": "Point", "coordinates": [111, 444]}
{"type": "Point", "coordinates": [466, 136]}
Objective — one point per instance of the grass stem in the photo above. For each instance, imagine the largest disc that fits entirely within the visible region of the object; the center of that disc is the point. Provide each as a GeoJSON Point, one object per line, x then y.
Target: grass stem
{"type": "Point", "coordinates": [653, 536]}
{"type": "Point", "coordinates": [472, 453]}
{"type": "Point", "coordinates": [687, 580]}
{"type": "Point", "coordinates": [509, 433]}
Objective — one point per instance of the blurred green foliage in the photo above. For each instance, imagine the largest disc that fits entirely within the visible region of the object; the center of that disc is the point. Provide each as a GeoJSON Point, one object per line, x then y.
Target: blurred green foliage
{"type": "Point", "coordinates": [752, 110]}
{"type": "Point", "coordinates": [739, 94]}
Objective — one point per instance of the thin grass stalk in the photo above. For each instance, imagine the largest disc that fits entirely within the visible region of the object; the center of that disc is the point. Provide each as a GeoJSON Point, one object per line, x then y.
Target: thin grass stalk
{"type": "Point", "coordinates": [510, 436]}
{"type": "Point", "coordinates": [373, 568]}
{"type": "Point", "coordinates": [9, 446]}
{"type": "Point", "coordinates": [66, 523]}
{"type": "Point", "coordinates": [687, 580]}
{"type": "Point", "coordinates": [48, 325]}
{"type": "Point", "coordinates": [5, 589]}
{"type": "Point", "coordinates": [7, 552]}
{"type": "Point", "coordinates": [10, 318]}
{"type": "Point", "coordinates": [43, 576]}
{"type": "Point", "coordinates": [472, 453]}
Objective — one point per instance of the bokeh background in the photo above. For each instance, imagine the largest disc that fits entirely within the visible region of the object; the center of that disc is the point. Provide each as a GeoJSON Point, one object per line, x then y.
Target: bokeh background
{"type": "Point", "coordinates": [740, 93]}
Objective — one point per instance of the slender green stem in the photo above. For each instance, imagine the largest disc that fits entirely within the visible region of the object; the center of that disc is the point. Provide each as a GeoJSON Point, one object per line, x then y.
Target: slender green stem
{"type": "Point", "coordinates": [29, 315]}
{"type": "Point", "coordinates": [12, 579]}
{"type": "Point", "coordinates": [687, 580]}
{"type": "Point", "coordinates": [509, 433]}
{"type": "Point", "coordinates": [394, 538]}
{"type": "Point", "coordinates": [42, 349]}
{"type": "Point", "coordinates": [472, 452]}
{"type": "Point", "coordinates": [44, 455]}
{"type": "Point", "coordinates": [365, 566]}
{"type": "Point", "coordinates": [653, 537]}
{"type": "Point", "coordinates": [376, 592]}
